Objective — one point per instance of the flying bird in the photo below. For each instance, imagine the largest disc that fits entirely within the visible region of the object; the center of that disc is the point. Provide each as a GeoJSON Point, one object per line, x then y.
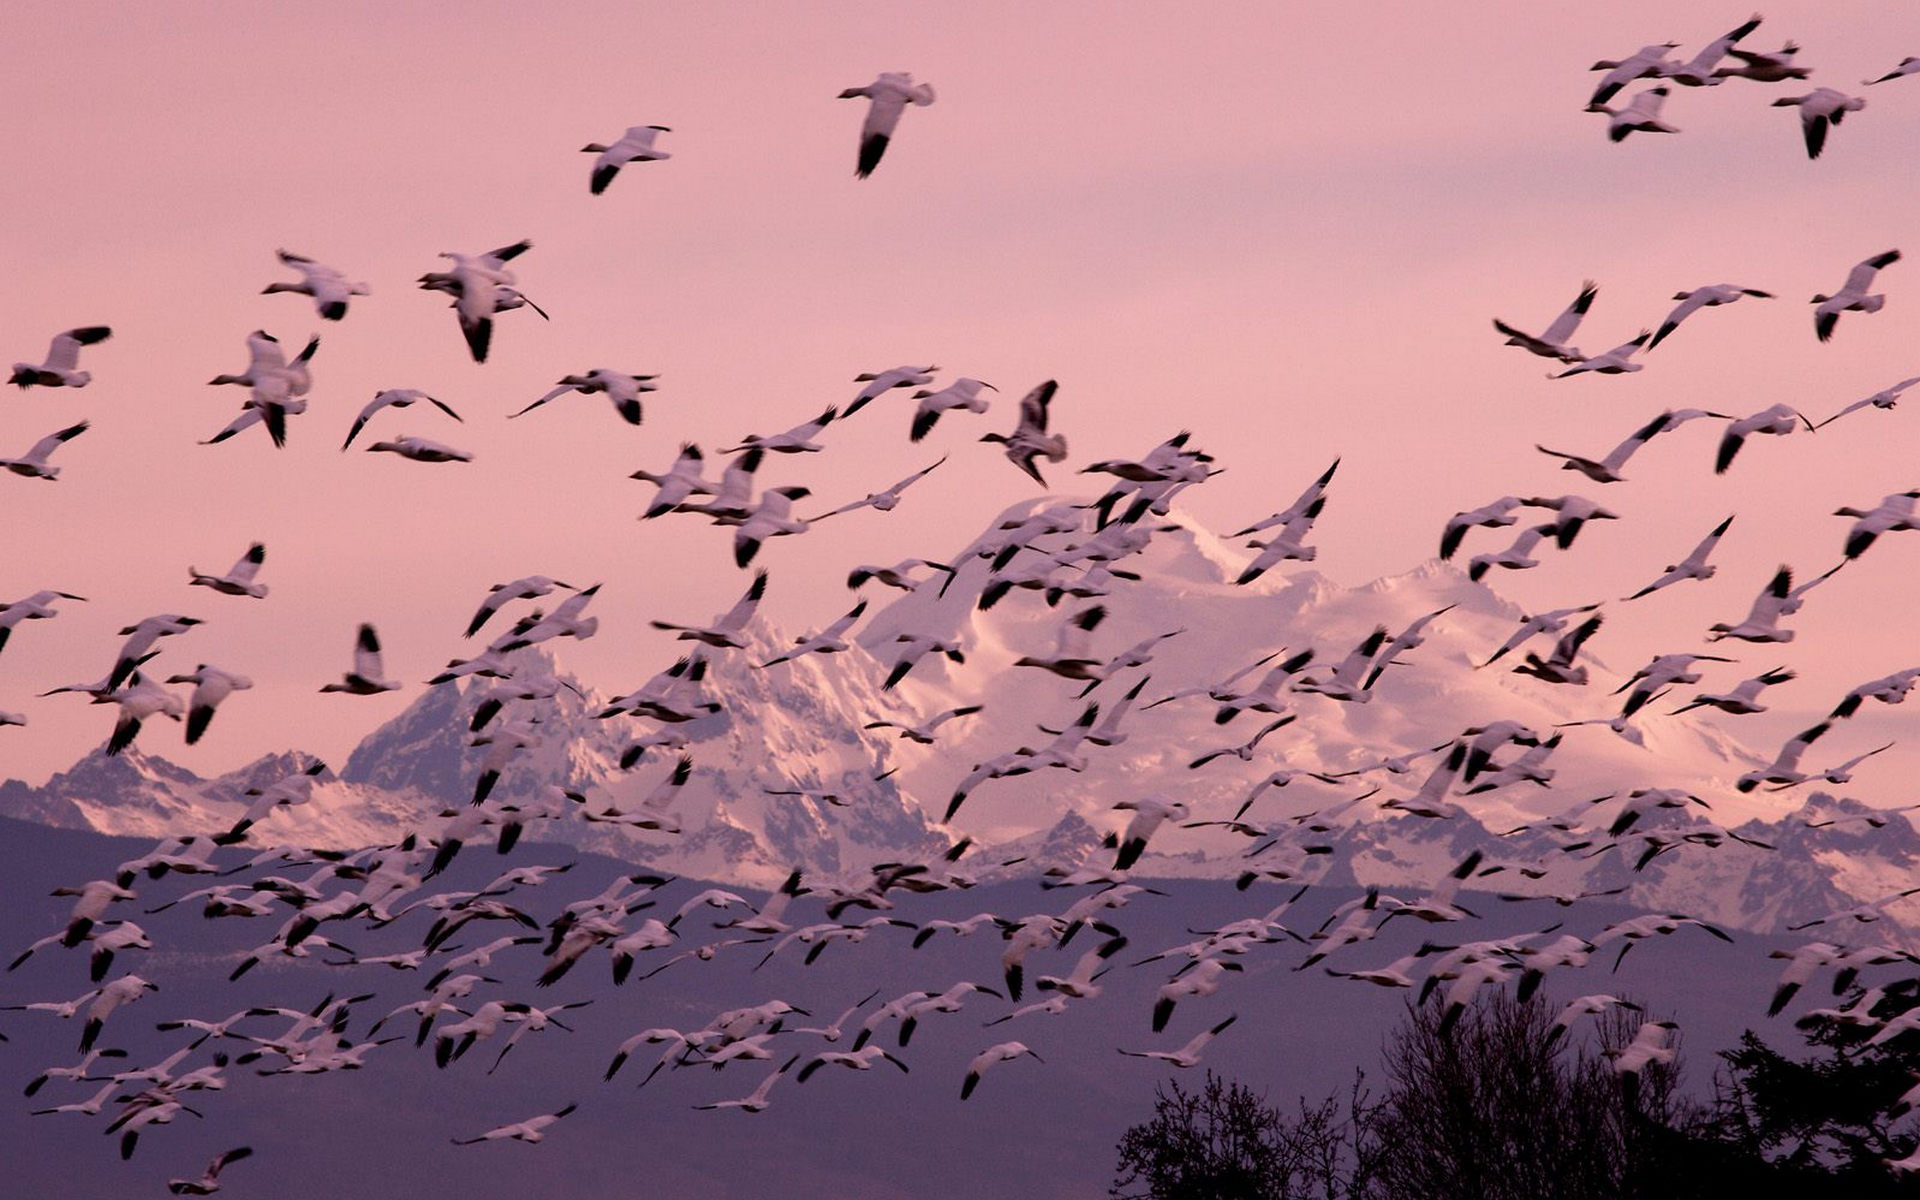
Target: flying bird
{"type": "Point", "coordinates": [617, 386]}
{"type": "Point", "coordinates": [393, 398]}
{"type": "Point", "coordinates": [368, 676]}
{"type": "Point", "coordinates": [635, 145]}
{"type": "Point", "coordinates": [239, 580]}
{"type": "Point", "coordinates": [879, 383]}
{"type": "Point", "coordinates": [960, 394]}
{"type": "Point", "coordinates": [1710, 296]}
{"type": "Point", "coordinates": [421, 449]}
{"type": "Point", "coordinates": [33, 464]}
{"type": "Point", "coordinates": [1029, 439]}
{"type": "Point", "coordinates": [890, 94]}
{"type": "Point", "coordinates": [1853, 295]}
{"type": "Point", "coordinates": [328, 287]}
{"type": "Point", "coordinates": [1640, 115]}
{"type": "Point", "coordinates": [1884, 398]}
{"type": "Point", "coordinates": [1820, 109]}
{"type": "Point", "coordinates": [1552, 342]}
{"type": "Point", "coordinates": [62, 368]}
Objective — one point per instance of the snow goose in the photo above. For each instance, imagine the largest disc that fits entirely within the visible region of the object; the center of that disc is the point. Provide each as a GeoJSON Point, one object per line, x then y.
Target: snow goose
{"type": "Point", "coordinates": [328, 287]}
{"type": "Point", "coordinates": [1744, 698]}
{"type": "Point", "coordinates": [421, 449]}
{"type": "Point", "coordinates": [1778, 420]}
{"type": "Point", "coordinates": [62, 367]}
{"type": "Point", "coordinates": [532, 1130]}
{"type": "Point", "coordinates": [1885, 398]}
{"type": "Point", "coordinates": [1698, 71]}
{"type": "Point", "coordinates": [889, 96]}
{"type": "Point", "coordinates": [368, 676]}
{"type": "Point", "coordinates": [527, 588]}
{"type": "Point", "coordinates": [1617, 361]}
{"type": "Point", "coordinates": [209, 1181]}
{"type": "Point", "coordinates": [1908, 66]}
{"type": "Point", "coordinates": [393, 398]}
{"type": "Point", "coordinates": [798, 440]}
{"type": "Point", "coordinates": [726, 630]}
{"type": "Point", "coordinates": [239, 580]}
{"type": "Point", "coordinates": [961, 393]}
{"type": "Point", "coordinates": [1552, 342]}
{"type": "Point", "coordinates": [1559, 667]}
{"type": "Point", "coordinates": [635, 145]}
{"type": "Point", "coordinates": [1693, 566]}
{"type": "Point", "coordinates": [37, 607]}
{"type": "Point", "coordinates": [1820, 109]}
{"type": "Point", "coordinates": [1641, 115]}
{"type": "Point", "coordinates": [880, 382]}
{"type": "Point", "coordinates": [1029, 439]}
{"type": "Point", "coordinates": [481, 285]}
{"type": "Point", "coordinates": [883, 501]}
{"type": "Point", "coordinates": [923, 733]}
{"type": "Point", "coordinates": [1648, 61]}
{"type": "Point", "coordinates": [677, 484]}
{"type": "Point", "coordinates": [33, 464]}
{"type": "Point", "coordinates": [1762, 623]}
{"type": "Point", "coordinates": [1853, 295]}
{"type": "Point", "coordinates": [620, 388]}
{"type": "Point", "coordinates": [1710, 296]}
{"type": "Point", "coordinates": [830, 640]}
{"type": "Point", "coordinates": [1888, 689]}
{"type": "Point", "coordinates": [1893, 514]}
{"type": "Point", "coordinates": [1774, 66]}
{"type": "Point", "coordinates": [211, 685]}
{"type": "Point", "coordinates": [1785, 770]}
{"type": "Point", "coordinates": [1004, 1052]}
{"type": "Point", "coordinates": [1515, 557]}
{"type": "Point", "coordinates": [771, 517]}
{"type": "Point", "coordinates": [139, 699]}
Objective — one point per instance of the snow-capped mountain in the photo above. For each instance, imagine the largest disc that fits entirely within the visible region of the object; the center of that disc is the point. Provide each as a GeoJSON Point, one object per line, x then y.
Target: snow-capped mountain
{"type": "Point", "coordinates": [801, 726]}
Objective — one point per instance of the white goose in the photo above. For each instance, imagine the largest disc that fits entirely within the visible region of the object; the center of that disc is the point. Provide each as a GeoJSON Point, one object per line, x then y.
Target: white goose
{"type": "Point", "coordinates": [328, 287]}
{"type": "Point", "coordinates": [1853, 295]}
{"type": "Point", "coordinates": [532, 1130]}
{"type": "Point", "coordinates": [211, 685]}
{"type": "Point", "coordinates": [1710, 296]}
{"type": "Point", "coordinates": [239, 580]}
{"type": "Point", "coordinates": [62, 367]}
{"type": "Point", "coordinates": [620, 388]}
{"type": "Point", "coordinates": [890, 94]}
{"type": "Point", "coordinates": [1617, 361]}
{"type": "Point", "coordinates": [1030, 439]}
{"type": "Point", "coordinates": [879, 383]}
{"type": "Point", "coordinates": [421, 449]}
{"type": "Point", "coordinates": [1641, 115]}
{"type": "Point", "coordinates": [1820, 109]}
{"type": "Point", "coordinates": [393, 398]}
{"type": "Point", "coordinates": [368, 676]}
{"type": "Point", "coordinates": [33, 464]}
{"type": "Point", "coordinates": [1552, 342]}
{"type": "Point", "coordinates": [962, 393]}
{"type": "Point", "coordinates": [635, 145]}
{"type": "Point", "coordinates": [1693, 566]}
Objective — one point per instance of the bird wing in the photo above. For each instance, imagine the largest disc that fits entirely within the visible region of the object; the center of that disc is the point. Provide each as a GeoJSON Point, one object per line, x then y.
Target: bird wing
{"type": "Point", "coordinates": [366, 654]}
{"type": "Point", "coordinates": [1569, 320]}
{"type": "Point", "coordinates": [47, 445]}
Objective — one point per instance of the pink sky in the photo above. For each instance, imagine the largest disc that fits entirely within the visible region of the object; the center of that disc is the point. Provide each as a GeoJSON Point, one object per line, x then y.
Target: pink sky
{"type": "Point", "coordinates": [1284, 227]}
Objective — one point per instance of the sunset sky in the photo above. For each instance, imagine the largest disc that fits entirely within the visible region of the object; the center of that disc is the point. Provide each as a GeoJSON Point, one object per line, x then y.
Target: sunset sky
{"type": "Point", "coordinates": [1283, 227]}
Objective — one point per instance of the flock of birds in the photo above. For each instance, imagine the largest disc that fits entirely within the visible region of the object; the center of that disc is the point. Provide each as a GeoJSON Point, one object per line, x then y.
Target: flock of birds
{"type": "Point", "coordinates": [1068, 556]}
{"type": "Point", "coordinates": [1819, 110]}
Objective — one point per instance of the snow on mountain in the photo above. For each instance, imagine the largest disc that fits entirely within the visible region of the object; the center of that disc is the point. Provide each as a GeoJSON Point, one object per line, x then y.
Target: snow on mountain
{"type": "Point", "coordinates": [800, 725]}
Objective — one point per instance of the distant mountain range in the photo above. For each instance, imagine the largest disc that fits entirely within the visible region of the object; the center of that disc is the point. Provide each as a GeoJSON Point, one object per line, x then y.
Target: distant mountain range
{"type": "Point", "coordinates": [800, 725]}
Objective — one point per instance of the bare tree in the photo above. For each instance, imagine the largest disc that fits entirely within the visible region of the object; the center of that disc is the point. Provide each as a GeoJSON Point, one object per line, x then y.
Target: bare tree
{"type": "Point", "coordinates": [1225, 1142]}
